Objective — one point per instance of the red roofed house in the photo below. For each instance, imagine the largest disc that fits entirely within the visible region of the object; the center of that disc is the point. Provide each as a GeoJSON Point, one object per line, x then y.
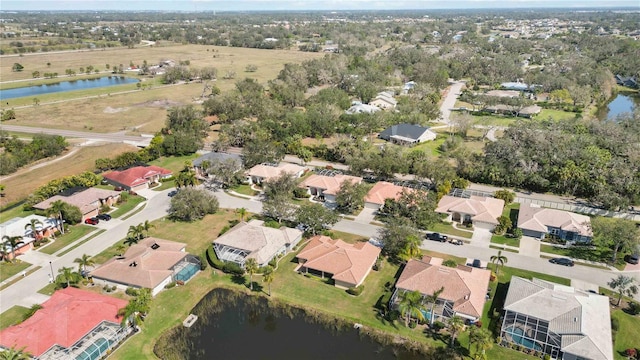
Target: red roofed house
{"type": "Point", "coordinates": [483, 212]}
{"type": "Point", "coordinates": [137, 178]}
{"type": "Point", "coordinates": [464, 287]}
{"type": "Point", "coordinates": [88, 201]}
{"type": "Point", "coordinates": [347, 264]}
{"type": "Point", "coordinates": [327, 187]}
{"type": "Point", "coordinates": [380, 192]}
{"type": "Point", "coordinates": [72, 324]}
{"type": "Point", "coordinates": [151, 263]}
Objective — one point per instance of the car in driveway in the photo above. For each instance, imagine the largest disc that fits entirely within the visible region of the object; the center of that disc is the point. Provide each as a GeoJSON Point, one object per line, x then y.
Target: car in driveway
{"type": "Point", "coordinates": [437, 237]}
{"type": "Point", "coordinates": [562, 261]}
{"type": "Point", "coordinates": [632, 259]}
{"type": "Point", "coordinates": [92, 221]}
{"type": "Point", "coordinates": [105, 217]}
{"type": "Point", "coordinates": [172, 193]}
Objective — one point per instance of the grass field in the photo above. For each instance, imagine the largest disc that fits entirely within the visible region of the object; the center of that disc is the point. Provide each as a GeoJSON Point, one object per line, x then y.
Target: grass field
{"type": "Point", "coordinates": [73, 234]}
{"type": "Point", "coordinates": [8, 269]}
{"type": "Point", "coordinates": [555, 114]}
{"type": "Point", "coordinates": [13, 316]}
{"type": "Point", "coordinates": [627, 335]}
{"type": "Point", "coordinates": [506, 240]}
{"type": "Point", "coordinates": [244, 189]}
{"type": "Point", "coordinates": [25, 182]}
{"type": "Point", "coordinates": [174, 163]}
{"type": "Point", "coordinates": [128, 206]}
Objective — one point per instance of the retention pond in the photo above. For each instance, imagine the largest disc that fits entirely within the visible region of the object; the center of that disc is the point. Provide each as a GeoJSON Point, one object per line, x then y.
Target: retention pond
{"type": "Point", "coordinates": [65, 86]}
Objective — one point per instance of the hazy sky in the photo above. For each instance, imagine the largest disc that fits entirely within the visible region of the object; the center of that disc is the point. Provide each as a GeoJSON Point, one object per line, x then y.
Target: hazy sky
{"type": "Point", "coordinates": [222, 5]}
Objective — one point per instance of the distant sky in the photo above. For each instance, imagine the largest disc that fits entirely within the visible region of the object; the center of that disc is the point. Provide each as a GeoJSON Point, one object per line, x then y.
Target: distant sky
{"type": "Point", "coordinates": [294, 5]}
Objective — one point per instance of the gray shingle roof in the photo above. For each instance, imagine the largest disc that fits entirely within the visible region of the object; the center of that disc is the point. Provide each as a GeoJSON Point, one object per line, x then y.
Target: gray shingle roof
{"type": "Point", "coordinates": [405, 130]}
{"type": "Point", "coordinates": [214, 157]}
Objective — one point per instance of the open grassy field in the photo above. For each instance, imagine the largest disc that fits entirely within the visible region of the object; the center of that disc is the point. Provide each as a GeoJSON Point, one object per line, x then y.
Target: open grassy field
{"type": "Point", "coordinates": [25, 182]}
{"type": "Point", "coordinates": [627, 335]}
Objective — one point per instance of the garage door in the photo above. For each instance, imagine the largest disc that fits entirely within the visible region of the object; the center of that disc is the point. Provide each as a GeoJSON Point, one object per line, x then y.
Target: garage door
{"type": "Point", "coordinates": [483, 225]}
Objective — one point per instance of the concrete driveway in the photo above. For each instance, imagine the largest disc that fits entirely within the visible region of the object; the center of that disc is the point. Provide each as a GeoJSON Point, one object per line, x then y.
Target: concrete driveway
{"type": "Point", "coordinates": [530, 247]}
{"type": "Point", "coordinates": [481, 237]}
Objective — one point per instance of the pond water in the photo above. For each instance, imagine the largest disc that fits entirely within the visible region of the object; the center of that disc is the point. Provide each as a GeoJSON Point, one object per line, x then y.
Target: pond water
{"type": "Point", "coordinates": [622, 103]}
{"type": "Point", "coordinates": [65, 86]}
{"type": "Point", "coordinates": [236, 326]}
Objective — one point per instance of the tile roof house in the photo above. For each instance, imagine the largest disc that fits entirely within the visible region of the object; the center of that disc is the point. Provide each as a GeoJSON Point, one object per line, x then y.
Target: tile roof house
{"type": "Point", "coordinates": [21, 227]}
{"type": "Point", "coordinates": [215, 158]}
{"type": "Point", "coordinates": [347, 264]}
{"type": "Point", "coordinates": [481, 211]}
{"type": "Point", "coordinates": [557, 320]}
{"type": "Point", "coordinates": [536, 222]}
{"type": "Point", "coordinates": [327, 187]}
{"type": "Point", "coordinates": [407, 134]}
{"type": "Point", "coordinates": [137, 178]}
{"type": "Point", "coordinates": [263, 172]}
{"type": "Point", "coordinates": [464, 288]}
{"type": "Point", "coordinates": [381, 191]}
{"type": "Point", "coordinates": [88, 201]}
{"type": "Point", "coordinates": [360, 108]}
{"type": "Point", "coordinates": [384, 100]}
{"type": "Point", "coordinates": [68, 326]}
{"type": "Point", "coordinates": [254, 240]}
{"type": "Point", "coordinates": [152, 263]}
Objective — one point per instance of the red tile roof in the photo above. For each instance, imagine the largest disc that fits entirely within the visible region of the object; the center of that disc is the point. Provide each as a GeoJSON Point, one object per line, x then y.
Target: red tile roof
{"type": "Point", "coordinates": [64, 319]}
{"type": "Point", "coordinates": [136, 175]}
{"type": "Point", "coordinates": [382, 191]}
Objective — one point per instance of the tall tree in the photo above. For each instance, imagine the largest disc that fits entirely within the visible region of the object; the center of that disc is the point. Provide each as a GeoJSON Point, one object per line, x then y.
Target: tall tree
{"type": "Point", "coordinates": [498, 260]}
{"type": "Point", "coordinates": [11, 241]}
{"type": "Point", "coordinates": [455, 326]}
{"type": "Point", "coordinates": [84, 261]}
{"type": "Point", "coordinates": [68, 276]}
{"type": "Point", "coordinates": [136, 233]}
{"type": "Point", "coordinates": [56, 208]}
{"type": "Point", "coordinates": [242, 212]}
{"type": "Point", "coordinates": [278, 208]}
{"type": "Point", "coordinates": [251, 267]}
{"type": "Point", "coordinates": [616, 234]}
{"type": "Point", "coordinates": [433, 299]}
{"type": "Point", "coordinates": [136, 310]}
{"type": "Point", "coordinates": [33, 225]}
{"type": "Point", "coordinates": [411, 249]}
{"type": "Point", "coordinates": [268, 277]}
{"type": "Point", "coordinates": [146, 226]}
{"type": "Point", "coordinates": [481, 340]}
{"type": "Point", "coordinates": [410, 306]}
{"type": "Point", "coordinates": [15, 354]}
{"type": "Point", "coordinates": [624, 285]}
{"type": "Point", "coordinates": [394, 236]}
{"type": "Point", "coordinates": [316, 217]}
{"type": "Point", "coordinates": [350, 197]}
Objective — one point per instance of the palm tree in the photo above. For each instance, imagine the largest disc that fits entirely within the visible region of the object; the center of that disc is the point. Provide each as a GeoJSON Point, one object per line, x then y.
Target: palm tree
{"type": "Point", "coordinates": [481, 340]}
{"type": "Point", "coordinates": [13, 242]}
{"type": "Point", "coordinates": [56, 209]}
{"type": "Point", "coordinates": [136, 309]}
{"type": "Point", "coordinates": [625, 285]}
{"type": "Point", "coordinates": [15, 354]}
{"type": "Point", "coordinates": [411, 305]}
{"type": "Point", "coordinates": [456, 325]}
{"type": "Point", "coordinates": [33, 225]}
{"type": "Point", "coordinates": [268, 277]}
{"type": "Point", "coordinates": [146, 226]}
{"type": "Point", "coordinates": [83, 262]}
{"type": "Point", "coordinates": [68, 275]}
{"type": "Point", "coordinates": [498, 260]}
{"type": "Point", "coordinates": [135, 234]}
{"type": "Point", "coordinates": [411, 249]}
{"type": "Point", "coordinates": [433, 299]}
{"type": "Point", "coordinates": [120, 248]}
{"type": "Point", "coordinates": [242, 212]}
{"type": "Point", "coordinates": [251, 266]}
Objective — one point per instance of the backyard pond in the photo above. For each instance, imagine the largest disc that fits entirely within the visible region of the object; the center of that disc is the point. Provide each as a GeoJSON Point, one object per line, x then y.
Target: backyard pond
{"type": "Point", "coordinates": [622, 103]}
{"type": "Point", "coordinates": [233, 325]}
{"type": "Point", "coordinates": [65, 86]}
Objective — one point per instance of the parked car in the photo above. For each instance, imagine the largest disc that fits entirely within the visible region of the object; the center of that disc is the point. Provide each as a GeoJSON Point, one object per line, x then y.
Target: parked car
{"type": "Point", "coordinates": [632, 259]}
{"type": "Point", "coordinates": [437, 237]}
{"type": "Point", "coordinates": [105, 217]}
{"type": "Point", "coordinates": [456, 242]}
{"type": "Point", "coordinates": [477, 263]}
{"type": "Point", "coordinates": [562, 261]}
{"type": "Point", "coordinates": [172, 193]}
{"type": "Point", "coordinates": [118, 188]}
{"type": "Point", "coordinates": [92, 221]}
{"type": "Point", "coordinates": [133, 193]}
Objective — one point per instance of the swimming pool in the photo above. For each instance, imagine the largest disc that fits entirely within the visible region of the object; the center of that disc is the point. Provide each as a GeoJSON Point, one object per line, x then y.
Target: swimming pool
{"type": "Point", "coordinates": [95, 350]}
{"type": "Point", "coordinates": [517, 336]}
{"type": "Point", "coordinates": [187, 272]}
{"type": "Point", "coordinates": [427, 315]}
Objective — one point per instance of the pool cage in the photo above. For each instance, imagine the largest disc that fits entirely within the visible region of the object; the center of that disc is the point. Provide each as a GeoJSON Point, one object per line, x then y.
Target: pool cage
{"type": "Point", "coordinates": [185, 269]}
{"type": "Point", "coordinates": [531, 333]}
{"type": "Point", "coordinates": [96, 344]}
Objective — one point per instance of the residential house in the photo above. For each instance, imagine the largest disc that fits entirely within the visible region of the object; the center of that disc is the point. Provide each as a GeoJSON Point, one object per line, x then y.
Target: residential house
{"type": "Point", "coordinates": [514, 86]}
{"type": "Point", "coordinates": [407, 134]}
{"type": "Point", "coordinates": [88, 201]}
{"type": "Point", "coordinates": [384, 100]}
{"type": "Point", "coordinates": [254, 240]}
{"type": "Point", "coordinates": [346, 264]}
{"type": "Point", "coordinates": [628, 81]}
{"type": "Point", "coordinates": [21, 227]}
{"type": "Point", "coordinates": [263, 172]}
{"type": "Point", "coordinates": [382, 191]}
{"type": "Point", "coordinates": [137, 178]}
{"type": "Point", "coordinates": [212, 159]}
{"type": "Point", "coordinates": [482, 212]}
{"type": "Point", "coordinates": [325, 187]}
{"type": "Point", "coordinates": [527, 111]}
{"type": "Point", "coordinates": [537, 222]}
{"type": "Point", "coordinates": [408, 86]}
{"type": "Point", "coordinates": [464, 288]}
{"type": "Point", "coordinates": [72, 324]}
{"type": "Point", "coordinates": [152, 263]}
{"type": "Point", "coordinates": [359, 108]}
{"type": "Point", "coordinates": [557, 320]}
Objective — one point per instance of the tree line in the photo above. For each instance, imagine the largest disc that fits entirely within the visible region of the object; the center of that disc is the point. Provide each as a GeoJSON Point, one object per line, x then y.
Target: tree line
{"type": "Point", "coordinates": [18, 153]}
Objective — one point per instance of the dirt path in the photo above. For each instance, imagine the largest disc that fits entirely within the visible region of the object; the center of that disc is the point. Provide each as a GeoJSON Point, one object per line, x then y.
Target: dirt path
{"type": "Point", "coordinates": [39, 165]}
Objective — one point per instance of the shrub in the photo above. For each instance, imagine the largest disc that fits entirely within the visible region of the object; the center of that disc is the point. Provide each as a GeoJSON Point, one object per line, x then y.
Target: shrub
{"type": "Point", "coordinates": [355, 291]}
{"type": "Point", "coordinates": [631, 352]}
{"type": "Point", "coordinates": [232, 268]}
{"type": "Point", "coordinates": [547, 357]}
{"type": "Point", "coordinates": [131, 291]}
{"type": "Point", "coordinates": [170, 285]}
{"type": "Point", "coordinates": [615, 324]}
{"type": "Point", "coordinates": [224, 230]}
{"type": "Point", "coordinates": [213, 259]}
{"type": "Point", "coordinates": [634, 308]}
{"type": "Point", "coordinates": [273, 263]}
{"type": "Point", "coordinates": [438, 325]}
{"type": "Point", "coordinates": [300, 193]}
{"type": "Point", "coordinates": [203, 264]}
{"type": "Point", "coordinates": [272, 224]}
{"type": "Point", "coordinates": [450, 263]}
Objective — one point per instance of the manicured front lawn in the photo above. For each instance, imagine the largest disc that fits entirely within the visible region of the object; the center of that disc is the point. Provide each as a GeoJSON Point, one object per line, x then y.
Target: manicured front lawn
{"type": "Point", "coordinates": [244, 189]}
{"type": "Point", "coordinates": [627, 335]}
{"type": "Point", "coordinates": [431, 147]}
{"type": "Point", "coordinates": [165, 185]}
{"type": "Point", "coordinates": [73, 234]}
{"type": "Point", "coordinates": [347, 237]}
{"type": "Point", "coordinates": [555, 114]}
{"type": "Point", "coordinates": [125, 207]}
{"type": "Point", "coordinates": [506, 240]}
{"type": "Point", "coordinates": [583, 252]}
{"type": "Point", "coordinates": [8, 269]}
{"type": "Point", "coordinates": [173, 163]}
{"type": "Point", "coordinates": [448, 229]}
{"type": "Point", "coordinates": [13, 316]}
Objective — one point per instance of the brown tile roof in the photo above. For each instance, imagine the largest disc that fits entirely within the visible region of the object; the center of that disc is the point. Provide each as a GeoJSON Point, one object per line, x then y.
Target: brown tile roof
{"type": "Point", "coordinates": [349, 263]}
{"type": "Point", "coordinates": [466, 287]}
{"type": "Point", "coordinates": [486, 209]}
{"type": "Point", "coordinates": [383, 190]}
{"type": "Point", "coordinates": [152, 266]}
{"type": "Point", "coordinates": [267, 172]}
{"type": "Point", "coordinates": [86, 200]}
{"type": "Point", "coordinates": [136, 175]}
{"type": "Point", "coordinates": [329, 184]}
{"type": "Point", "coordinates": [537, 219]}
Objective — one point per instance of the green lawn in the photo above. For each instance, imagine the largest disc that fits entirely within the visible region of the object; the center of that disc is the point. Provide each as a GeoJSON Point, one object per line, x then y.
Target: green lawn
{"type": "Point", "coordinates": [555, 114]}
{"type": "Point", "coordinates": [165, 185]}
{"type": "Point", "coordinates": [585, 253]}
{"type": "Point", "coordinates": [14, 211]}
{"type": "Point", "coordinates": [174, 163]}
{"type": "Point", "coordinates": [13, 316]}
{"type": "Point", "coordinates": [75, 245]}
{"type": "Point", "coordinates": [244, 189]}
{"type": "Point", "coordinates": [8, 269]}
{"type": "Point", "coordinates": [627, 335]}
{"type": "Point", "coordinates": [124, 208]}
{"type": "Point", "coordinates": [347, 237]}
{"type": "Point", "coordinates": [431, 147]}
{"type": "Point", "coordinates": [506, 240]}
{"type": "Point", "coordinates": [73, 234]}
{"type": "Point", "coordinates": [448, 229]}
